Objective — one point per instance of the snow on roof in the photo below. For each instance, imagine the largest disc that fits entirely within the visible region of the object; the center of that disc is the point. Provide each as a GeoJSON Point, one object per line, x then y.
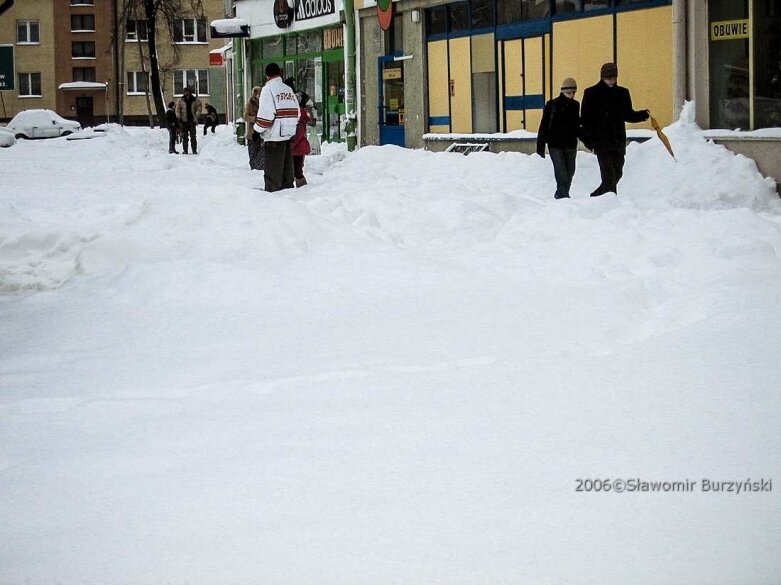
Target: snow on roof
{"type": "Point", "coordinates": [231, 27]}
{"type": "Point", "coordinates": [83, 85]}
{"type": "Point", "coordinates": [222, 50]}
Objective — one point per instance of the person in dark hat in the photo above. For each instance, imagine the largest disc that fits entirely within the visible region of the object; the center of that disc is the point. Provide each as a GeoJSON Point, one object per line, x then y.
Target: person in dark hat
{"type": "Point", "coordinates": [559, 129]}
{"type": "Point", "coordinates": [606, 108]}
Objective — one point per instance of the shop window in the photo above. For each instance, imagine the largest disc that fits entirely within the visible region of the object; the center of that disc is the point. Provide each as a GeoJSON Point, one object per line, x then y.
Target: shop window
{"type": "Point", "coordinates": [596, 4]}
{"type": "Point", "coordinates": [273, 47]}
{"type": "Point", "coordinates": [84, 74]}
{"type": "Point", "coordinates": [83, 50]}
{"type": "Point", "coordinates": [568, 6]}
{"type": "Point", "coordinates": [310, 42]}
{"type": "Point", "coordinates": [729, 69]}
{"type": "Point", "coordinates": [481, 13]}
{"type": "Point", "coordinates": [28, 32]}
{"type": "Point", "coordinates": [290, 45]}
{"type": "Point", "coordinates": [436, 20]}
{"type": "Point", "coordinates": [459, 16]}
{"type": "Point", "coordinates": [767, 63]}
{"type": "Point", "coordinates": [520, 10]}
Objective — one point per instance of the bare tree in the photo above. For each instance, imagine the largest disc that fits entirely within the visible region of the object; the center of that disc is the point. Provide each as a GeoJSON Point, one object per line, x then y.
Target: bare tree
{"type": "Point", "coordinates": [160, 16]}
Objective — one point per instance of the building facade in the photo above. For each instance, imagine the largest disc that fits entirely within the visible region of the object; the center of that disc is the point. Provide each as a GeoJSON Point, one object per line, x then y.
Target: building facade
{"type": "Point", "coordinates": [486, 66]}
{"type": "Point", "coordinates": [61, 55]}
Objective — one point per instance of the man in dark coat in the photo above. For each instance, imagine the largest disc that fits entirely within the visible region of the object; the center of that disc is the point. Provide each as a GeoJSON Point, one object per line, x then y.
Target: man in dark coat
{"type": "Point", "coordinates": [559, 129]}
{"type": "Point", "coordinates": [606, 108]}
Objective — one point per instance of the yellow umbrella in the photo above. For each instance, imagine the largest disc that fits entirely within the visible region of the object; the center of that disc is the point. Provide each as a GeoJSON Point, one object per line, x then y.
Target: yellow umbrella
{"type": "Point", "coordinates": [662, 137]}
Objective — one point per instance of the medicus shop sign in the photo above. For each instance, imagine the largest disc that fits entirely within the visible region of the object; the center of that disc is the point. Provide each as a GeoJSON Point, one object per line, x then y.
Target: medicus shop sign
{"type": "Point", "coordinates": [306, 9]}
{"type": "Point", "coordinates": [6, 67]}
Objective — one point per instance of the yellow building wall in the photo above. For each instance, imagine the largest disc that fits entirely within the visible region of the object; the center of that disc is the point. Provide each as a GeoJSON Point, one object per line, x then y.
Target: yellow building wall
{"type": "Point", "coordinates": [438, 89]}
{"type": "Point", "coordinates": [535, 78]}
{"type": "Point", "coordinates": [513, 82]}
{"type": "Point", "coordinates": [30, 58]}
{"type": "Point", "coordinates": [645, 64]}
{"type": "Point", "coordinates": [461, 78]}
{"type": "Point", "coordinates": [580, 47]}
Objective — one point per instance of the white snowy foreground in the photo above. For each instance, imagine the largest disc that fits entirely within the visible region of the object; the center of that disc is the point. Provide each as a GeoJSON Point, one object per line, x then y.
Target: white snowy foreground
{"type": "Point", "coordinates": [393, 376]}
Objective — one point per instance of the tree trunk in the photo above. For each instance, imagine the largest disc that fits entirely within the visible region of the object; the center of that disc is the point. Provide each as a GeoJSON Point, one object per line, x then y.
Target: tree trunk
{"type": "Point", "coordinates": [151, 19]}
{"type": "Point", "coordinates": [146, 93]}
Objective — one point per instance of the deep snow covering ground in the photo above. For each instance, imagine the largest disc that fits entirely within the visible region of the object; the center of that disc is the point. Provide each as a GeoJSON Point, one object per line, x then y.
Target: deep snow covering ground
{"type": "Point", "coordinates": [394, 375]}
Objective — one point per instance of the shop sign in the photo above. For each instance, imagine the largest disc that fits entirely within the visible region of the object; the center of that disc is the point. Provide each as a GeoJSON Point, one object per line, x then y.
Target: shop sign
{"type": "Point", "coordinates": [391, 73]}
{"type": "Point", "coordinates": [727, 30]}
{"type": "Point", "coordinates": [384, 13]}
{"type": "Point", "coordinates": [215, 59]}
{"type": "Point", "coordinates": [333, 38]}
{"type": "Point", "coordinates": [306, 9]}
{"type": "Point", "coordinates": [283, 14]}
{"type": "Point", "coordinates": [6, 67]}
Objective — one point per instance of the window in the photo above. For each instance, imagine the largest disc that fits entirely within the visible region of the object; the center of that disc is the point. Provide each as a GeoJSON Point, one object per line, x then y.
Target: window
{"type": "Point", "coordinates": [436, 18]}
{"type": "Point", "coordinates": [197, 79]}
{"type": "Point", "coordinates": [137, 82]}
{"type": "Point", "coordinates": [459, 16]}
{"type": "Point", "coordinates": [596, 4]}
{"type": "Point", "coordinates": [29, 85]}
{"type": "Point", "coordinates": [190, 30]}
{"type": "Point", "coordinates": [136, 31]}
{"type": "Point", "coordinates": [82, 22]}
{"type": "Point", "coordinates": [82, 2]}
{"type": "Point", "coordinates": [27, 32]}
{"type": "Point", "coordinates": [83, 50]}
{"type": "Point", "coordinates": [83, 74]}
{"type": "Point", "coordinates": [482, 13]}
{"type": "Point", "coordinates": [567, 6]}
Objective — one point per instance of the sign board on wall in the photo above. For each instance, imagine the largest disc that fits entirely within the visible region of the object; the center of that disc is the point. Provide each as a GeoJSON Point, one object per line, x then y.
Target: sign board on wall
{"type": "Point", "coordinates": [7, 81]}
{"type": "Point", "coordinates": [727, 30]}
{"type": "Point", "coordinates": [333, 38]}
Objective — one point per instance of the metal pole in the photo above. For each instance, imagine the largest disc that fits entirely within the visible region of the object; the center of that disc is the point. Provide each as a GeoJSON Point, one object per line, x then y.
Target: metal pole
{"type": "Point", "coordinates": [349, 71]}
{"type": "Point", "coordinates": [751, 88]}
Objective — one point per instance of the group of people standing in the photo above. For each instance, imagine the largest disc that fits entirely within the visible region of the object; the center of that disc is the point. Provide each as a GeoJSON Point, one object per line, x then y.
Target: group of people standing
{"type": "Point", "coordinates": [599, 124]}
{"type": "Point", "coordinates": [182, 121]}
{"type": "Point", "coordinates": [276, 118]}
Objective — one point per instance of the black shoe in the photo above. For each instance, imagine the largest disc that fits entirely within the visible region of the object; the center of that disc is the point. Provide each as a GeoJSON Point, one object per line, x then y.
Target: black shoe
{"type": "Point", "coordinates": [561, 197]}
{"type": "Point", "coordinates": [195, 152]}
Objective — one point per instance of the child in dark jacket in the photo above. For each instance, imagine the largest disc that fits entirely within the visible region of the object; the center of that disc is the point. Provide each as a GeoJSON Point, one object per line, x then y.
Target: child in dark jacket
{"type": "Point", "coordinates": [299, 144]}
{"type": "Point", "coordinates": [559, 129]}
{"type": "Point", "coordinates": [173, 127]}
{"type": "Point", "coordinates": [211, 118]}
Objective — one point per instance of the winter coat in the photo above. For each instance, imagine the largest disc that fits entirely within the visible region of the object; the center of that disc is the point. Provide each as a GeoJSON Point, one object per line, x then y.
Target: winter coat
{"type": "Point", "coordinates": [250, 114]}
{"type": "Point", "coordinates": [170, 119]}
{"type": "Point", "coordinates": [299, 144]}
{"type": "Point", "coordinates": [195, 109]}
{"type": "Point", "coordinates": [560, 125]}
{"type": "Point", "coordinates": [278, 111]}
{"type": "Point", "coordinates": [604, 112]}
{"type": "Point", "coordinates": [211, 113]}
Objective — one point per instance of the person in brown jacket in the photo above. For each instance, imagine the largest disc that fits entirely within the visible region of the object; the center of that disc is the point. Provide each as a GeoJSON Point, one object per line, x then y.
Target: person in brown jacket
{"type": "Point", "coordinates": [187, 111]}
{"type": "Point", "coordinates": [254, 141]}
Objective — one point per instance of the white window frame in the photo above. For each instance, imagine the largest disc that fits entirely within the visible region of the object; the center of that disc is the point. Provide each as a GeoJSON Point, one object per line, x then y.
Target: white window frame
{"type": "Point", "coordinates": [135, 38]}
{"type": "Point", "coordinates": [135, 76]}
{"type": "Point", "coordinates": [190, 77]}
{"type": "Point", "coordinates": [28, 28]}
{"type": "Point", "coordinates": [30, 84]}
{"type": "Point", "coordinates": [83, 29]}
{"type": "Point", "coordinates": [180, 26]}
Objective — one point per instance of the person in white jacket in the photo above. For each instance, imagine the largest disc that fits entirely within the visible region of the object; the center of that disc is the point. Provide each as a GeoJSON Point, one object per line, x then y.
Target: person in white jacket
{"type": "Point", "coordinates": [276, 123]}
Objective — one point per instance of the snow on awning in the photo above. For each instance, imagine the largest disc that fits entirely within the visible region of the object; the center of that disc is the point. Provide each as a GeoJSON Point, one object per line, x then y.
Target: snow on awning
{"type": "Point", "coordinates": [221, 50]}
{"type": "Point", "coordinates": [229, 28]}
{"type": "Point", "coordinates": [82, 85]}
{"type": "Point", "coordinates": [217, 56]}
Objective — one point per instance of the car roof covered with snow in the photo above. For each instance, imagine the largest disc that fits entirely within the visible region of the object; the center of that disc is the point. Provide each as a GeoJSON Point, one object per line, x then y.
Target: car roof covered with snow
{"type": "Point", "coordinates": [39, 116]}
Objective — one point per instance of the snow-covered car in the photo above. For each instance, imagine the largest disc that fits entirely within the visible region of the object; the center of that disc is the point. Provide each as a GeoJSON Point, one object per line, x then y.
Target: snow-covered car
{"type": "Point", "coordinates": [6, 138]}
{"type": "Point", "coordinates": [41, 124]}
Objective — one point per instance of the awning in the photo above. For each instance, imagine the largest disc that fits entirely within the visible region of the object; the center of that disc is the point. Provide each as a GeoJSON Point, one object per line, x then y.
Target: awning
{"type": "Point", "coordinates": [82, 85]}
{"type": "Point", "coordinates": [229, 28]}
{"type": "Point", "coordinates": [217, 56]}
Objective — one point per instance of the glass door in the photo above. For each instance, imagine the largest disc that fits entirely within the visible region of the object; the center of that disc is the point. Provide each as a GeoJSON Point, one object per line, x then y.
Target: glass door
{"type": "Point", "coordinates": [729, 64]}
{"type": "Point", "coordinates": [391, 102]}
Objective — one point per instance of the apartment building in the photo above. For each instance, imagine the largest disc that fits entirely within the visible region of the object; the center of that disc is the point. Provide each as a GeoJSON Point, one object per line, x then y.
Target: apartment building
{"type": "Point", "coordinates": [61, 55]}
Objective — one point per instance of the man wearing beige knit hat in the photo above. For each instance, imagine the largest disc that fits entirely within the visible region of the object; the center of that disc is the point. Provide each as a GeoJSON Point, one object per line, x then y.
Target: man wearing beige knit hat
{"type": "Point", "coordinates": [606, 108]}
{"type": "Point", "coordinates": [559, 129]}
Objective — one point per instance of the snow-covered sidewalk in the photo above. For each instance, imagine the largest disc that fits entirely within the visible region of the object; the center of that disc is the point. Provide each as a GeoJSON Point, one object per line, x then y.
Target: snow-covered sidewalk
{"type": "Point", "coordinates": [395, 375]}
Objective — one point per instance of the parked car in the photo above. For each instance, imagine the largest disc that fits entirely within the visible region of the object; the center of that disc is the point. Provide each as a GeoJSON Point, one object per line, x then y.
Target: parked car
{"type": "Point", "coordinates": [41, 124]}
{"type": "Point", "coordinates": [6, 138]}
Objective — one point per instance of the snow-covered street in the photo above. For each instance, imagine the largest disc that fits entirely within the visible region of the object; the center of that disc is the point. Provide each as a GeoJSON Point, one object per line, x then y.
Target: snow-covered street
{"type": "Point", "coordinates": [394, 375]}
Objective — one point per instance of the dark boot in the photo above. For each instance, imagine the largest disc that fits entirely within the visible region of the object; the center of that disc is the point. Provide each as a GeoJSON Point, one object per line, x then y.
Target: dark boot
{"type": "Point", "coordinates": [301, 182]}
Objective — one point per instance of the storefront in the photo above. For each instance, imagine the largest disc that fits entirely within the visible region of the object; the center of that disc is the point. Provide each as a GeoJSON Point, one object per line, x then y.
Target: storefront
{"type": "Point", "coordinates": [308, 43]}
{"type": "Point", "coordinates": [745, 63]}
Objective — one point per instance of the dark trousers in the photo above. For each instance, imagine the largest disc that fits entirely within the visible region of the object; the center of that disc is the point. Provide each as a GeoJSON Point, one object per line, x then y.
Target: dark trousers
{"type": "Point", "coordinates": [189, 129]}
{"type": "Point", "coordinates": [209, 124]}
{"type": "Point", "coordinates": [171, 140]}
{"type": "Point", "coordinates": [298, 166]}
{"type": "Point", "coordinates": [278, 166]}
{"type": "Point", "coordinates": [611, 168]}
{"type": "Point", "coordinates": [563, 160]}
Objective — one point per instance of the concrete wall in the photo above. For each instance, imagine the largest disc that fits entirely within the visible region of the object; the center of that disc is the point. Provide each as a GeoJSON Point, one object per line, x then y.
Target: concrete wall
{"type": "Point", "coordinates": [415, 80]}
{"type": "Point", "coordinates": [372, 46]}
{"type": "Point", "coordinates": [766, 152]}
